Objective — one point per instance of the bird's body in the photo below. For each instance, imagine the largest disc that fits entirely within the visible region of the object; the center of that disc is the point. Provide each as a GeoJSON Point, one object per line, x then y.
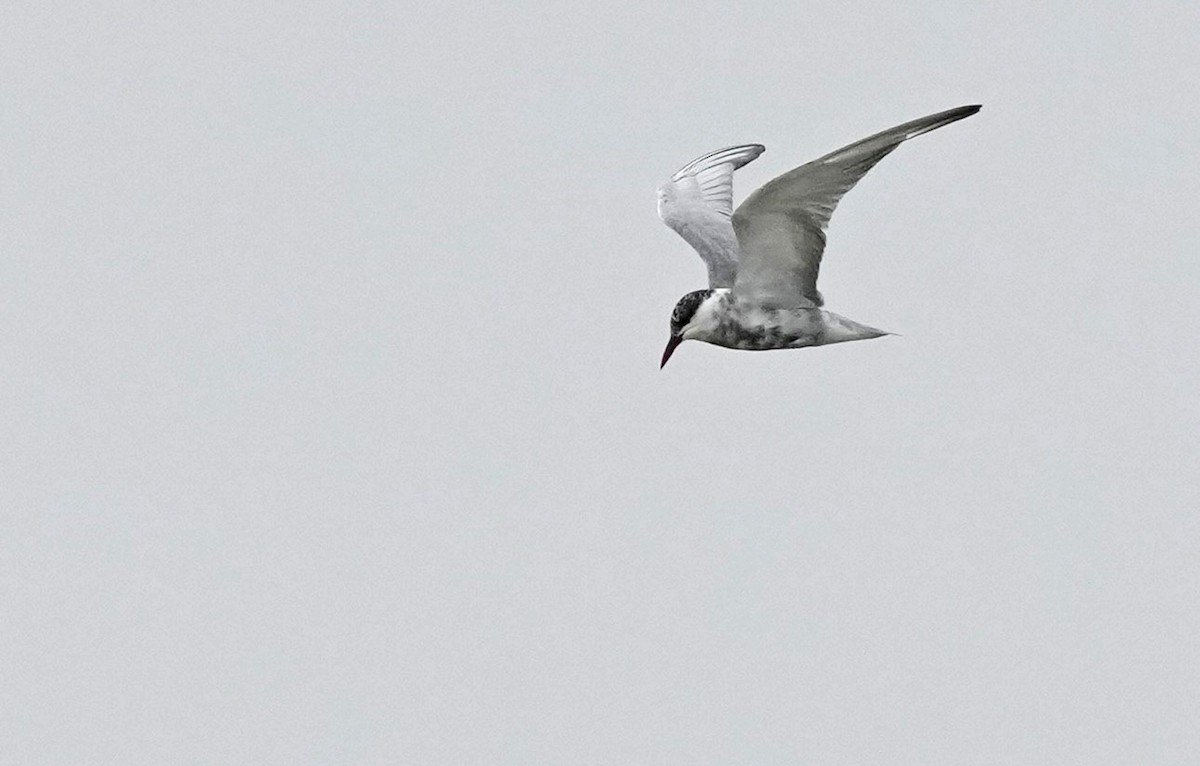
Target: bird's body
{"type": "Point", "coordinates": [725, 319]}
{"type": "Point", "coordinates": [763, 259]}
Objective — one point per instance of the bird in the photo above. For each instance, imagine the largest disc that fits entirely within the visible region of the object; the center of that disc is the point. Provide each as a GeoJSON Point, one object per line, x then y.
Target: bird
{"type": "Point", "coordinates": [763, 258]}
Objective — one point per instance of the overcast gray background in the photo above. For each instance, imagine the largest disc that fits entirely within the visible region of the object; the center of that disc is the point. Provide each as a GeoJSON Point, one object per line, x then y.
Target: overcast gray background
{"type": "Point", "coordinates": [333, 430]}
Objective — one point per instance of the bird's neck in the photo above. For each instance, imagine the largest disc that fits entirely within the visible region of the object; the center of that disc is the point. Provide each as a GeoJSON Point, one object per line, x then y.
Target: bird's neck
{"type": "Point", "coordinates": [714, 312]}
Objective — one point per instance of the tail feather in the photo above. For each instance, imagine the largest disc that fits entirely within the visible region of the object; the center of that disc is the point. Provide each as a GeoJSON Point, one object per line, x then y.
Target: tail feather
{"type": "Point", "coordinates": [839, 329]}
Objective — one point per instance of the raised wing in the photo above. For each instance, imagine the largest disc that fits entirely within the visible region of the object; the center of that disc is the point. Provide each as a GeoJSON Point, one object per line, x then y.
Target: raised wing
{"type": "Point", "coordinates": [780, 228]}
{"type": "Point", "coordinates": [697, 203]}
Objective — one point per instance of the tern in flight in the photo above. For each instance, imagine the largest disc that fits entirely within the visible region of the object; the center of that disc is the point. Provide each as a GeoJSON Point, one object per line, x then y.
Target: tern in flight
{"type": "Point", "coordinates": [763, 258]}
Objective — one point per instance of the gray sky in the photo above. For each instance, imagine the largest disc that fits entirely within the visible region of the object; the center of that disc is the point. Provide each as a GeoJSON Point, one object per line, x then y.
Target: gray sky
{"type": "Point", "coordinates": [335, 431]}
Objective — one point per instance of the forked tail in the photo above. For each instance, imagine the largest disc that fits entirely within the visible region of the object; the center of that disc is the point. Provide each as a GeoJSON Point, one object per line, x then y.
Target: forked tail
{"type": "Point", "coordinates": [839, 329]}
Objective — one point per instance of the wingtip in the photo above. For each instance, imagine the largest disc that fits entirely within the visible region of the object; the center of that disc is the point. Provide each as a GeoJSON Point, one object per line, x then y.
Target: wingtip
{"type": "Point", "coordinates": [737, 155]}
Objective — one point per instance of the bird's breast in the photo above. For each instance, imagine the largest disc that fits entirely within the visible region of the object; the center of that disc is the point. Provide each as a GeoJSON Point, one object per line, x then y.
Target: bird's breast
{"type": "Point", "coordinates": [755, 328]}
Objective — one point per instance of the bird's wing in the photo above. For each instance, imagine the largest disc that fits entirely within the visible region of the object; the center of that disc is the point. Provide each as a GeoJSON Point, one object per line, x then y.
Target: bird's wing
{"type": "Point", "coordinates": [780, 228]}
{"type": "Point", "coordinates": [697, 203]}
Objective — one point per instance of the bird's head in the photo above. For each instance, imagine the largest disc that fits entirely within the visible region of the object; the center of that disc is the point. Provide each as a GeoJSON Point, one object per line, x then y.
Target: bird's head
{"type": "Point", "coordinates": [682, 320]}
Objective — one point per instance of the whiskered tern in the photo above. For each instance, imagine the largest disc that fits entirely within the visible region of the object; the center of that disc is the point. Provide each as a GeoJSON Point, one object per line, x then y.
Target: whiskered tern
{"type": "Point", "coordinates": [763, 258]}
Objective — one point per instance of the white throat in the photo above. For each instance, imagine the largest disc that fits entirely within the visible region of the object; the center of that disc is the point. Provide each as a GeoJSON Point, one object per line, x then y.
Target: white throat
{"type": "Point", "coordinates": [709, 316]}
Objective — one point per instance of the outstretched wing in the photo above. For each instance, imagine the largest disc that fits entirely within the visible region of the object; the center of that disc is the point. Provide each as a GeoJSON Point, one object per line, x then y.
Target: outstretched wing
{"type": "Point", "coordinates": [697, 203]}
{"type": "Point", "coordinates": [781, 227]}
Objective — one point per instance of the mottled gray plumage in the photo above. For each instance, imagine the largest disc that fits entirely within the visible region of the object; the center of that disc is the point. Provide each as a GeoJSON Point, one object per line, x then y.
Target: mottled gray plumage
{"type": "Point", "coordinates": [764, 258]}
